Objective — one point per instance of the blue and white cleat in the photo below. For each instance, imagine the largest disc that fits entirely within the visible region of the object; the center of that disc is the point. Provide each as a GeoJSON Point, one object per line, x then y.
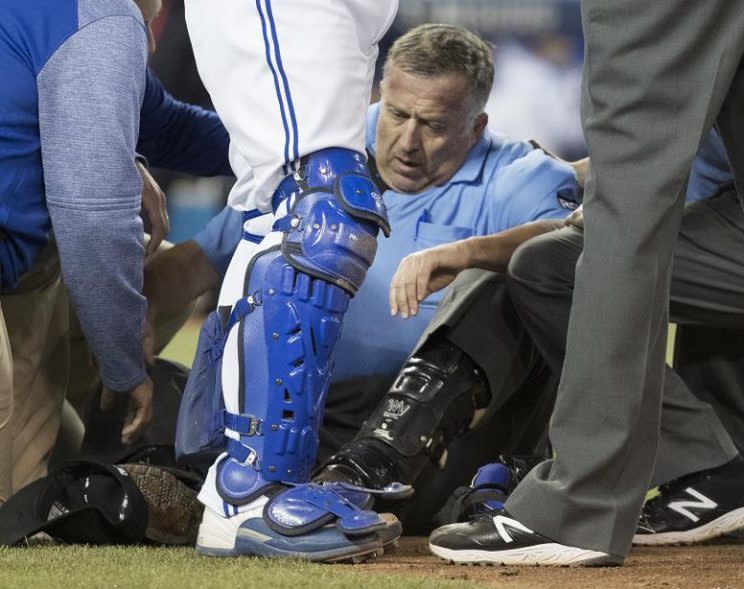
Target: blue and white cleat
{"type": "Point", "coordinates": [306, 522]}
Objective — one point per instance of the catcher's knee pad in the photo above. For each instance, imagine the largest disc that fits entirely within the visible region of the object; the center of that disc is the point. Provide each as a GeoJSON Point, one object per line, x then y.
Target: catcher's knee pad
{"type": "Point", "coordinates": [438, 395]}
{"type": "Point", "coordinates": [332, 226]}
{"type": "Point", "coordinates": [299, 292]}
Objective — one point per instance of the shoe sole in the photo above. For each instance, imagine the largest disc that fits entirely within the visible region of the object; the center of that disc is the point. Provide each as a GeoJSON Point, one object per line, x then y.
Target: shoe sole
{"type": "Point", "coordinates": [542, 555]}
{"type": "Point", "coordinates": [352, 555]}
{"type": "Point", "coordinates": [392, 531]}
{"type": "Point", "coordinates": [173, 511]}
{"type": "Point", "coordinates": [226, 538]}
{"type": "Point", "coordinates": [728, 523]}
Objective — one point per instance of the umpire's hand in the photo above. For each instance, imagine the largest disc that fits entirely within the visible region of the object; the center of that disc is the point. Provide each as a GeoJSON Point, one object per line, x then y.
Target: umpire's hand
{"type": "Point", "coordinates": [576, 218]}
{"type": "Point", "coordinates": [139, 410]}
{"type": "Point", "coordinates": [422, 273]}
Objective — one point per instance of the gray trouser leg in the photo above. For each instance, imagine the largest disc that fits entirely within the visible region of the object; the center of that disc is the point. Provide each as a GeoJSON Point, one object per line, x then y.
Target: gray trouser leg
{"type": "Point", "coordinates": [478, 316]}
{"type": "Point", "coordinates": [707, 288]}
{"type": "Point", "coordinates": [541, 284]}
{"type": "Point", "coordinates": [711, 362]}
{"type": "Point", "coordinates": [655, 77]}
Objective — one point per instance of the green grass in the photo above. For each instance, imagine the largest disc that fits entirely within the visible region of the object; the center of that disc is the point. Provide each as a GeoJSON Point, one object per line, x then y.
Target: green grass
{"type": "Point", "coordinates": [183, 346]}
{"type": "Point", "coordinates": [149, 567]}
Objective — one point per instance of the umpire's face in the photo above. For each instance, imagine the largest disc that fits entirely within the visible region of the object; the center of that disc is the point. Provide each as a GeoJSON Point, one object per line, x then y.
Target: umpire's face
{"type": "Point", "coordinates": [425, 129]}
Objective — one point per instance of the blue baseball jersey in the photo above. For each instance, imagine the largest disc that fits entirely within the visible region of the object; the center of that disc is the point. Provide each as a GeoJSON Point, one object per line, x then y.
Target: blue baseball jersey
{"type": "Point", "coordinates": [501, 184]}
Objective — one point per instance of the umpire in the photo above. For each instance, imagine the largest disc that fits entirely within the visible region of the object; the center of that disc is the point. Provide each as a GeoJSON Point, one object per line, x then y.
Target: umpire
{"type": "Point", "coordinates": [656, 76]}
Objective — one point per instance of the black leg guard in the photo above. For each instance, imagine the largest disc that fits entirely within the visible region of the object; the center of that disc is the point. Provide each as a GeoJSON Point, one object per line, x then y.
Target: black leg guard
{"type": "Point", "coordinates": [438, 395]}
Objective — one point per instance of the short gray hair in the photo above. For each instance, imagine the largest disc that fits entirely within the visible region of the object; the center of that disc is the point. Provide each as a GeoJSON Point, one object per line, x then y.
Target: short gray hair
{"type": "Point", "coordinates": [434, 50]}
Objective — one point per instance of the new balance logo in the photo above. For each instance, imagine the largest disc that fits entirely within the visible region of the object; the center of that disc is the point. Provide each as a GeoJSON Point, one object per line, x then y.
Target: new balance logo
{"type": "Point", "coordinates": [502, 522]}
{"type": "Point", "coordinates": [702, 502]}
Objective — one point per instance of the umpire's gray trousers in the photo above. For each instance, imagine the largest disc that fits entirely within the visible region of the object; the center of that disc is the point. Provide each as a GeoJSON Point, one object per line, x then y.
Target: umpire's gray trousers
{"type": "Point", "coordinates": [656, 75]}
{"type": "Point", "coordinates": [707, 288]}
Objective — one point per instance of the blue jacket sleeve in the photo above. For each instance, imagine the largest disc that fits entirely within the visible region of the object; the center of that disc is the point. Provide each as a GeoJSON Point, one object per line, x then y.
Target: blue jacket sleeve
{"type": "Point", "coordinates": [179, 136]}
{"type": "Point", "coordinates": [90, 92]}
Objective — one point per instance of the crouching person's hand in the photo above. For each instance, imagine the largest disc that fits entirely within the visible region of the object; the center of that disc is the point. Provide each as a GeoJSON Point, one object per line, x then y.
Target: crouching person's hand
{"type": "Point", "coordinates": [139, 409]}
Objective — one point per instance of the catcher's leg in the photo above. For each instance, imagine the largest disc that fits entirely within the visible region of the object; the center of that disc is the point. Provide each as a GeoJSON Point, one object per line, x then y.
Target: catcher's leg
{"type": "Point", "coordinates": [295, 289]}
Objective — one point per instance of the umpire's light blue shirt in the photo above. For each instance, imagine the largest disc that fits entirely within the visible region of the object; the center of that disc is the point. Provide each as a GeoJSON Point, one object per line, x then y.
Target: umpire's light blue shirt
{"type": "Point", "coordinates": [501, 184]}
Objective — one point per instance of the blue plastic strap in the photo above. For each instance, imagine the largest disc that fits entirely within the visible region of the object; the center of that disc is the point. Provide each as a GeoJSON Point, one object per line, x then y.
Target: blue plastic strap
{"type": "Point", "coordinates": [240, 310]}
{"type": "Point", "coordinates": [307, 506]}
{"type": "Point", "coordinates": [247, 235]}
{"type": "Point", "coordinates": [245, 425]}
{"type": "Point", "coordinates": [328, 499]}
{"type": "Point", "coordinates": [238, 450]}
{"type": "Point", "coordinates": [283, 224]}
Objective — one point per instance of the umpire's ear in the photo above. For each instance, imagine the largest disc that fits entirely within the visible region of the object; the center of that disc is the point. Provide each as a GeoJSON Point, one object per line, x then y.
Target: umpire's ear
{"type": "Point", "coordinates": [479, 124]}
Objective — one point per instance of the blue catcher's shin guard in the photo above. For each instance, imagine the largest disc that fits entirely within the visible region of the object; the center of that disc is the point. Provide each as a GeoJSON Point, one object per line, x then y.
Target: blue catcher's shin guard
{"type": "Point", "coordinates": [296, 295]}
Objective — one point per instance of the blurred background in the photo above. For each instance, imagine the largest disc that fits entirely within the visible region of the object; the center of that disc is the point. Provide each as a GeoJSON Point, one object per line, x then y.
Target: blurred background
{"type": "Point", "coordinates": [538, 52]}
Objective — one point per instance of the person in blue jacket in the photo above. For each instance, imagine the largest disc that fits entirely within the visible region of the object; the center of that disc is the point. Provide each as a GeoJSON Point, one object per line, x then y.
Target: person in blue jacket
{"type": "Point", "coordinates": [71, 194]}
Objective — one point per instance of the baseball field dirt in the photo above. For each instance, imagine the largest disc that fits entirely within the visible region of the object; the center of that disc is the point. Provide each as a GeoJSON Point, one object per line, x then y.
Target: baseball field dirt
{"type": "Point", "coordinates": [409, 567]}
{"type": "Point", "coordinates": [714, 566]}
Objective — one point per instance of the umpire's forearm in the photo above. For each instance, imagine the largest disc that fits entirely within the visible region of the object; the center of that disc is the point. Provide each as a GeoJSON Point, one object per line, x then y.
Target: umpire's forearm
{"type": "Point", "coordinates": [493, 252]}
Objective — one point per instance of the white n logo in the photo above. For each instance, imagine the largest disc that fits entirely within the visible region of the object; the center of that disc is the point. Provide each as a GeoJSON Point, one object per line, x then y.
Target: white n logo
{"type": "Point", "coordinates": [702, 502]}
{"type": "Point", "coordinates": [502, 522]}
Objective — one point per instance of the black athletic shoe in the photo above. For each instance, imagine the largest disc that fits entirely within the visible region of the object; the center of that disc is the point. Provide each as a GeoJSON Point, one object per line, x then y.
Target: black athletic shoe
{"type": "Point", "coordinates": [497, 538]}
{"type": "Point", "coordinates": [695, 508]}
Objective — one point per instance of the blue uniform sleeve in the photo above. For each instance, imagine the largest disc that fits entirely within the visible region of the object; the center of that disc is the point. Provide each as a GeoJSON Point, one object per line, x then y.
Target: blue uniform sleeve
{"type": "Point", "coordinates": [90, 92]}
{"type": "Point", "coordinates": [179, 136]}
{"type": "Point", "coordinates": [710, 168]}
{"type": "Point", "coordinates": [537, 186]}
{"type": "Point", "coordinates": [219, 239]}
